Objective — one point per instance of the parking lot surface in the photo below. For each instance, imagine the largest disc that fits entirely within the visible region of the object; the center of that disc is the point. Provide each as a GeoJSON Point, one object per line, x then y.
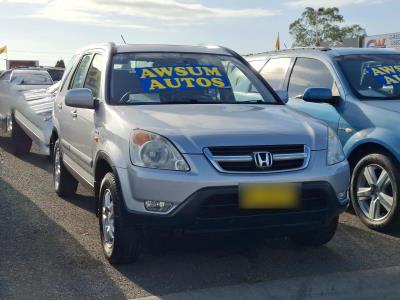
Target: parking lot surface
{"type": "Point", "coordinates": [49, 248]}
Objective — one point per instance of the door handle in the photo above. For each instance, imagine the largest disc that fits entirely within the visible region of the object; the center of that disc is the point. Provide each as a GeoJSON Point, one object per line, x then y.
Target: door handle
{"type": "Point", "coordinates": [59, 105]}
{"type": "Point", "coordinates": [74, 114]}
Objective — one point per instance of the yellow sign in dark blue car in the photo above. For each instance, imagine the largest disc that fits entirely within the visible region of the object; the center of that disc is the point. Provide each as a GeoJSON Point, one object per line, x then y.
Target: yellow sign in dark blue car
{"type": "Point", "coordinates": [156, 79]}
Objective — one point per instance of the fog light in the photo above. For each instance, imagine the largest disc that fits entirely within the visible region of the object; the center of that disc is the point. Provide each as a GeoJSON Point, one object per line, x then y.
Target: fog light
{"type": "Point", "coordinates": [342, 196]}
{"type": "Point", "coordinates": [158, 206]}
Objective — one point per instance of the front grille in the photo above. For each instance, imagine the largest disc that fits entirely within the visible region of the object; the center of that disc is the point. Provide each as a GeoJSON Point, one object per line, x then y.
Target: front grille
{"type": "Point", "coordinates": [241, 159]}
{"type": "Point", "coordinates": [227, 206]}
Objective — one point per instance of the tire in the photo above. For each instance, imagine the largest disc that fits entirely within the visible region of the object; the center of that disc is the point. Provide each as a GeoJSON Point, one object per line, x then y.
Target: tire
{"type": "Point", "coordinates": [64, 183]}
{"type": "Point", "coordinates": [317, 237]}
{"type": "Point", "coordinates": [124, 244]}
{"type": "Point", "coordinates": [374, 191]}
{"type": "Point", "coordinates": [21, 142]}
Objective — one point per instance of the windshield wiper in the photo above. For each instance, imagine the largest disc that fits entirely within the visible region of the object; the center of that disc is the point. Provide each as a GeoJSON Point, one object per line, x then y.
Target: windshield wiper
{"type": "Point", "coordinates": [196, 101]}
{"type": "Point", "coordinates": [190, 101]}
{"type": "Point", "coordinates": [251, 102]}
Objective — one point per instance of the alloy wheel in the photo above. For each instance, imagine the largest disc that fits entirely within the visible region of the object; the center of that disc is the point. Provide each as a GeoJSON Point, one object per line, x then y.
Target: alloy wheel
{"type": "Point", "coordinates": [57, 168]}
{"type": "Point", "coordinates": [375, 195]}
{"type": "Point", "coordinates": [107, 222]}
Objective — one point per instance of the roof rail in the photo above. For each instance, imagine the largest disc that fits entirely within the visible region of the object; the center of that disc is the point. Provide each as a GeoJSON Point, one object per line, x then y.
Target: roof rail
{"type": "Point", "coordinates": [311, 48]}
{"type": "Point", "coordinates": [292, 49]}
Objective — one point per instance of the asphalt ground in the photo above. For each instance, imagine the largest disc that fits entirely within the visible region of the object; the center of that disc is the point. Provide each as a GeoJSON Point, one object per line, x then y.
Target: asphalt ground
{"type": "Point", "coordinates": [50, 249]}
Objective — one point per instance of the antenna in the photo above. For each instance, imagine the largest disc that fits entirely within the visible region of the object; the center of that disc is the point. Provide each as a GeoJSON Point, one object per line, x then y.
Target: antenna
{"type": "Point", "coordinates": [122, 37]}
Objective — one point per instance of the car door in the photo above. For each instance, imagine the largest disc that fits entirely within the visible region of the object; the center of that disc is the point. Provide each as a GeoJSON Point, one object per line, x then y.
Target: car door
{"type": "Point", "coordinates": [66, 115]}
{"type": "Point", "coordinates": [84, 119]}
{"type": "Point", "coordinates": [313, 73]}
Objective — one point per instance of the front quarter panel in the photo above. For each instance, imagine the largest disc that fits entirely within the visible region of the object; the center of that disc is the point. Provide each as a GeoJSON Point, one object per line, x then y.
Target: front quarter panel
{"type": "Point", "coordinates": [387, 138]}
{"type": "Point", "coordinates": [113, 134]}
{"type": "Point", "coordinates": [363, 123]}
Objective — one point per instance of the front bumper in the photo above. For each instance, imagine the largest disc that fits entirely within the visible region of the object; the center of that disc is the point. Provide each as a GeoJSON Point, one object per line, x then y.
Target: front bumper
{"type": "Point", "coordinates": [216, 210]}
{"type": "Point", "coordinates": [188, 191]}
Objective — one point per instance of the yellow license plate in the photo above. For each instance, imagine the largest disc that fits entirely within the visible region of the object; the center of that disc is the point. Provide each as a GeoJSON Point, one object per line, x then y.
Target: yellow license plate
{"type": "Point", "coordinates": [269, 196]}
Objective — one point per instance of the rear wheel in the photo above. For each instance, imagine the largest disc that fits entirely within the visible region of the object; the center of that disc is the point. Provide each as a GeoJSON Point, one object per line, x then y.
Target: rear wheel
{"type": "Point", "coordinates": [21, 142]}
{"type": "Point", "coordinates": [317, 237]}
{"type": "Point", "coordinates": [121, 242]}
{"type": "Point", "coordinates": [64, 183]}
{"type": "Point", "coordinates": [375, 191]}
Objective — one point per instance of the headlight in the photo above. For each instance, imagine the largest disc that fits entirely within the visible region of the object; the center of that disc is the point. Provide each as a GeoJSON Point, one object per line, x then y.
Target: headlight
{"type": "Point", "coordinates": [335, 150]}
{"type": "Point", "coordinates": [151, 150]}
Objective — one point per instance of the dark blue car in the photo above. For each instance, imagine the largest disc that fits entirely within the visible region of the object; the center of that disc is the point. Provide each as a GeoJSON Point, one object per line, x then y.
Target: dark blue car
{"type": "Point", "coordinates": [356, 92]}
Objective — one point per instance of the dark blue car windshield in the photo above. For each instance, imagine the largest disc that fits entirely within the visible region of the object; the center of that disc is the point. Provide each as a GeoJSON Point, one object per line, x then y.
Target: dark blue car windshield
{"type": "Point", "coordinates": [372, 76]}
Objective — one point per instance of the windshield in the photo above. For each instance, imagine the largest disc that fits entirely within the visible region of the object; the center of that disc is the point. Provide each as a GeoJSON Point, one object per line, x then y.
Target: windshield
{"type": "Point", "coordinates": [181, 78]}
{"type": "Point", "coordinates": [373, 76]}
{"type": "Point", "coordinates": [33, 78]}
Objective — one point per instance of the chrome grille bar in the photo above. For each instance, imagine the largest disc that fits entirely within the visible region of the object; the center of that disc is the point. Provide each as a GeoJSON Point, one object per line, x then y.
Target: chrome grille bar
{"type": "Point", "coordinates": [289, 156]}
{"type": "Point", "coordinates": [218, 161]}
{"type": "Point", "coordinates": [236, 158]}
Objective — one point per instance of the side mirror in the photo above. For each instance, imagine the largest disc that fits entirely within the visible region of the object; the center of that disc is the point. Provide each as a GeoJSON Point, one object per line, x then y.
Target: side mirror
{"type": "Point", "coordinates": [283, 95]}
{"type": "Point", "coordinates": [81, 98]}
{"type": "Point", "coordinates": [318, 95]}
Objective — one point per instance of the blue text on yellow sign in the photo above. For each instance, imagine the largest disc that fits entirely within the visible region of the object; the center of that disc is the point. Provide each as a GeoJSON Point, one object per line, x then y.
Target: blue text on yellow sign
{"type": "Point", "coordinates": [157, 79]}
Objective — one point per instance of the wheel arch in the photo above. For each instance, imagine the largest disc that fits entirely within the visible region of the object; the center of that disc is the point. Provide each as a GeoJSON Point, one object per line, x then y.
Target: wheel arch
{"type": "Point", "coordinates": [53, 139]}
{"type": "Point", "coordinates": [103, 165]}
{"type": "Point", "coordinates": [366, 148]}
{"type": "Point", "coordinates": [372, 140]}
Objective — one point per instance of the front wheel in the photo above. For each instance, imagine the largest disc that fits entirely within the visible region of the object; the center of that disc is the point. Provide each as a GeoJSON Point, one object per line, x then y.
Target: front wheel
{"type": "Point", "coordinates": [317, 237]}
{"type": "Point", "coordinates": [375, 192]}
{"type": "Point", "coordinates": [121, 242]}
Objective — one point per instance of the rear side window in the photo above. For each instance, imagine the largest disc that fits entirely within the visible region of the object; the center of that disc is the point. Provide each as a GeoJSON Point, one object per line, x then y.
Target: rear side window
{"type": "Point", "coordinates": [93, 79]}
{"type": "Point", "coordinates": [80, 74]}
{"type": "Point", "coordinates": [275, 71]}
{"type": "Point", "coordinates": [308, 73]}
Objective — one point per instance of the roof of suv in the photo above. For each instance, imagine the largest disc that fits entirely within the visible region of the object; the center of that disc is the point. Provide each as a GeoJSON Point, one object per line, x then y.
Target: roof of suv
{"type": "Point", "coordinates": [332, 52]}
{"type": "Point", "coordinates": [172, 48]}
{"type": "Point", "coordinates": [161, 48]}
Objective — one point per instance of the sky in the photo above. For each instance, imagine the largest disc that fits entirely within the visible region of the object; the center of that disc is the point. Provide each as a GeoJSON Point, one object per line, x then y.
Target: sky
{"type": "Point", "coordinates": [48, 30]}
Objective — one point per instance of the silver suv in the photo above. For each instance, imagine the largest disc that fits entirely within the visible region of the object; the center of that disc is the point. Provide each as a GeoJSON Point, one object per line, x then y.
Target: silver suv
{"type": "Point", "coordinates": [171, 137]}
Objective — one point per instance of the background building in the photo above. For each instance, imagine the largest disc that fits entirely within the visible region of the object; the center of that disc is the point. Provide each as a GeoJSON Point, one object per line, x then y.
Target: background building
{"type": "Point", "coordinates": [391, 40]}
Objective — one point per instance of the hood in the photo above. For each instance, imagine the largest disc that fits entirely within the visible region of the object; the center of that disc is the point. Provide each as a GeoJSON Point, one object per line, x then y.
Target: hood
{"type": "Point", "coordinates": [192, 127]}
{"type": "Point", "coordinates": [391, 105]}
